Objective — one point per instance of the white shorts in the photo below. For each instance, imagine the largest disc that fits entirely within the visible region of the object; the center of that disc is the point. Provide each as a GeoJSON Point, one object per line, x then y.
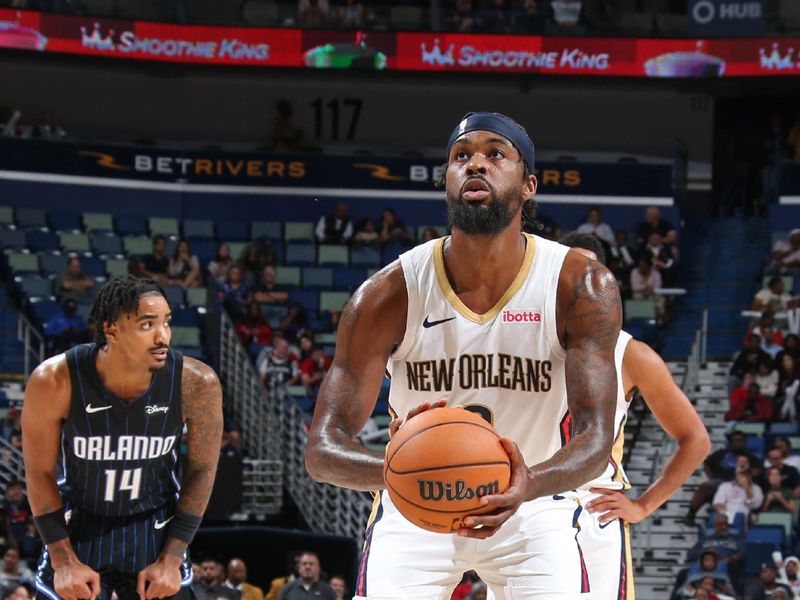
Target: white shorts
{"type": "Point", "coordinates": [607, 552]}
{"type": "Point", "coordinates": [535, 555]}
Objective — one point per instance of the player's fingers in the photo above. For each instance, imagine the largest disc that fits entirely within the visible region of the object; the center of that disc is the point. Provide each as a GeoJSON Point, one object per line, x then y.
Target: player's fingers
{"type": "Point", "coordinates": [94, 585]}
{"type": "Point", "coordinates": [603, 491]}
{"type": "Point", "coordinates": [394, 426]}
{"type": "Point", "coordinates": [610, 516]}
{"type": "Point", "coordinates": [82, 591]}
{"type": "Point", "coordinates": [417, 409]}
{"type": "Point", "coordinates": [488, 520]}
{"type": "Point", "coordinates": [598, 504]}
{"type": "Point", "coordinates": [140, 585]}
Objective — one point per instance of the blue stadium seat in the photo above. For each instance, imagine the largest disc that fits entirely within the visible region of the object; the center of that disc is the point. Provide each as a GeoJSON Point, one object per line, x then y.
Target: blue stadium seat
{"type": "Point", "coordinates": [365, 256]}
{"type": "Point", "coordinates": [93, 266]}
{"type": "Point", "coordinates": [34, 286]}
{"type": "Point", "coordinates": [185, 317]}
{"type": "Point", "coordinates": [130, 225]}
{"type": "Point", "coordinates": [31, 218]}
{"type": "Point", "coordinates": [782, 429]}
{"type": "Point", "coordinates": [39, 241]}
{"type": "Point", "coordinates": [53, 264]}
{"type": "Point", "coordinates": [757, 554]}
{"type": "Point", "coordinates": [770, 534]}
{"type": "Point", "coordinates": [390, 252]}
{"type": "Point", "coordinates": [266, 229]}
{"type": "Point", "coordinates": [12, 238]}
{"type": "Point", "coordinates": [198, 228]}
{"type": "Point", "coordinates": [233, 231]}
{"type": "Point", "coordinates": [755, 444]}
{"type": "Point", "coordinates": [174, 296]}
{"type": "Point", "coordinates": [45, 309]}
{"type": "Point", "coordinates": [205, 249]}
{"type": "Point", "coordinates": [348, 278]}
{"type": "Point", "coordinates": [301, 255]}
{"type": "Point", "coordinates": [106, 244]}
{"type": "Point", "coordinates": [307, 298]}
{"type": "Point", "coordinates": [317, 277]}
{"type": "Point", "coordinates": [66, 220]}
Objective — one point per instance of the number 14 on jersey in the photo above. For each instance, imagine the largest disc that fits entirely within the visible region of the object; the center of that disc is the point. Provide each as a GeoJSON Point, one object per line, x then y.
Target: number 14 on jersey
{"type": "Point", "coordinates": [130, 481]}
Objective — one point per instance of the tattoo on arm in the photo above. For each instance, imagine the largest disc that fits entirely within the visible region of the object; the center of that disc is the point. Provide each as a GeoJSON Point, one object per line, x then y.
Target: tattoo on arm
{"type": "Point", "coordinates": [202, 409]}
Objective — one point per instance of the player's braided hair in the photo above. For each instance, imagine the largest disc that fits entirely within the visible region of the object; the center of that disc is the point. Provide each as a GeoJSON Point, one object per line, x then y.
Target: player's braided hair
{"type": "Point", "coordinates": [118, 297]}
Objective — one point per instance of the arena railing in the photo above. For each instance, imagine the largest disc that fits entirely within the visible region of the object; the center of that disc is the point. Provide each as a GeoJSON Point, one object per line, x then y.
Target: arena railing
{"type": "Point", "coordinates": [33, 342]}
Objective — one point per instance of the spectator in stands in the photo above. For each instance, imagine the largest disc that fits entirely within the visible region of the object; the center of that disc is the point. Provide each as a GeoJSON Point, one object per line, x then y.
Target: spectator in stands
{"type": "Point", "coordinates": [65, 329]}
{"type": "Point", "coordinates": [464, 19]}
{"type": "Point", "coordinates": [729, 548]}
{"type": "Point", "coordinates": [285, 136]}
{"type": "Point", "coordinates": [769, 343]}
{"type": "Point", "coordinates": [351, 14]}
{"type": "Point", "coordinates": [791, 346]}
{"type": "Point", "coordinates": [786, 254]}
{"type": "Point", "coordinates": [253, 329]}
{"type": "Point", "coordinates": [255, 257]}
{"type": "Point", "coordinates": [749, 404]}
{"type": "Point", "coordinates": [777, 497]}
{"type": "Point", "coordinates": [566, 14]}
{"type": "Point", "coordinates": [788, 386]}
{"type": "Point", "coordinates": [789, 476]}
{"type": "Point", "coordinates": [366, 234]}
{"type": "Point", "coordinates": [709, 577]}
{"type": "Point", "coordinates": [30, 546]}
{"type": "Point", "coordinates": [335, 227]}
{"type": "Point", "coordinates": [769, 585]}
{"type": "Point", "coordinates": [235, 293]}
{"type": "Point", "coordinates": [156, 265]}
{"type": "Point", "coordinates": [339, 587]}
{"type": "Point", "coordinates": [13, 571]}
{"type": "Point", "coordinates": [497, 17]}
{"type": "Point", "coordinates": [267, 291]}
{"type": "Point", "coordinates": [788, 574]}
{"type": "Point", "coordinates": [747, 361]}
{"type": "Point", "coordinates": [313, 369]}
{"type": "Point", "coordinates": [528, 18]}
{"type": "Point", "coordinates": [544, 226]}
{"type": "Point", "coordinates": [184, 268]}
{"type": "Point", "coordinates": [773, 297]}
{"type": "Point", "coordinates": [653, 223]}
{"type": "Point", "coordinates": [785, 446]}
{"type": "Point", "coordinates": [428, 234]}
{"type": "Point", "coordinates": [74, 283]}
{"type": "Point", "coordinates": [295, 322]}
{"type": "Point", "coordinates": [721, 466]}
{"type": "Point", "coordinates": [305, 343]}
{"type": "Point", "coordinates": [767, 319]}
{"type": "Point", "coordinates": [767, 379]}
{"type": "Point", "coordinates": [48, 129]}
{"type": "Point", "coordinates": [308, 583]}
{"type": "Point", "coordinates": [594, 224]}
{"type": "Point", "coordinates": [237, 580]}
{"type": "Point", "coordinates": [464, 589]}
{"type": "Point", "coordinates": [277, 584]}
{"type": "Point", "coordinates": [664, 257]}
{"type": "Point", "coordinates": [478, 591]}
{"type": "Point", "coordinates": [645, 280]}
{"type": "Point", "coordinates": [313, 13]}
{"type": "Point", "coordinates": [278, 367]}
{"type": "Point", "coordinates": [742, 495]}
{"type": "Point", "coordinates": [393, 230]}
{"type": "Point", "coordinates": [16, 508]}
{"type": "Point", "coordinates": [222, 263]}
{"type": "Point", "coordinates": [210, 585]}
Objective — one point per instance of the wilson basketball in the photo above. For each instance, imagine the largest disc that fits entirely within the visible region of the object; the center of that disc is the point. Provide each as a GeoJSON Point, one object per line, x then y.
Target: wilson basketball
{"type": "Point", "coordinates": [440, 464]}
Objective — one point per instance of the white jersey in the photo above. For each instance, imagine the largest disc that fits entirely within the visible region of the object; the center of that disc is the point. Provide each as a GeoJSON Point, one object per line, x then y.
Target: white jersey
{"type": "Point", "coordinates": [506, 364]}
{"type": "Point", "coordinates": [614, 476]}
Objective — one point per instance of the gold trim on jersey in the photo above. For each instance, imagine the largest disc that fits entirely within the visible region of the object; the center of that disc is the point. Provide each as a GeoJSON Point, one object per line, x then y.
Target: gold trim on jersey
{"type": "Point", "coordinates": [455, 301]}
{"type": "Point", "coordinates": [617, 452]}
{"type": "Point", "coordinates": [376, 504]}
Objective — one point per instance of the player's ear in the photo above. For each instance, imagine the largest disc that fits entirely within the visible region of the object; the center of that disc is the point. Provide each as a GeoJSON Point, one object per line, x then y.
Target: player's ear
{"type": "Point", "coordinates": [111, 331]}
{"type": "Point", "coordinates": [529, 189]}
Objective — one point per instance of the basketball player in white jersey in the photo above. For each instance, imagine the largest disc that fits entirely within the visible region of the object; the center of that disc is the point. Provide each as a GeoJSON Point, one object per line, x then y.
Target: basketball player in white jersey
{"type": "Point", "coordinates": [509, 325]}
{"type": "Point", "coordinates": [604, 525]}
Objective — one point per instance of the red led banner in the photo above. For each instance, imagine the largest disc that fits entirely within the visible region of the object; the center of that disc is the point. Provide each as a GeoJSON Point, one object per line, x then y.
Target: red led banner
{"type": "Point", "coordinates": [253, 46]}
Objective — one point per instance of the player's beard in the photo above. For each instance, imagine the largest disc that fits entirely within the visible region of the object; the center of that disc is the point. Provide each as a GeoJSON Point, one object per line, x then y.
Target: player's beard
{"type": "Point", "coordinates": [479, 219]}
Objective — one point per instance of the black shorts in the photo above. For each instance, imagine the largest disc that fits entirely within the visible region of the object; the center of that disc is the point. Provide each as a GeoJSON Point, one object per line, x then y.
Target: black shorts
{"type": "Point", "coordinates": [115, 547]}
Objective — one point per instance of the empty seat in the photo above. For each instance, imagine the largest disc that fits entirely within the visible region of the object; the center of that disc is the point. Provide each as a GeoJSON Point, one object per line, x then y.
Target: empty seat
{"type": "Point", "coordinates": [198, 228]}
{"type": "Point", "coordinates": [6, 215]}
{"type": "Point", "coordinates": [348, 279]}
{"type": "Point", "coordinates": [266, 229]}
{"type": "Point", "coordinates": [53, 264]}
{"type": "Point", "coordinates": [205, 249]}
{"type": "Point", "coordinates": [332, 300]}
{"type": "Point", "coordinates": [365, 256]}
{"type": "Point", "coordinates": [235, 248]}
{"type": "Point", "coordinates": [31, 218]}
{"type": "Point", "coordinates": [300, 254]}
{"type": "Point", "coordinates": [639, 309]}
{"type": "Point", "coordinates": [98, 222]}
{"type": "Point", "coordinates": [235, 231]}
{"type": "Point", "coordinates": [391, 252]}
{"type": "Point", "coordinates": [163, 226]}
{"type": "Point", "coordinates": [137, 246]}
{"type": "Point", "coordinates": [751, 428]}
{"type": "Point", "coordinates": [116, 267]}
{"type": "Point", "coordinates": [93, 266]}
{"type": "Point", "coordinates": [771, 520]}
{"type": "Point", "coordinates": [41, 241]}
{"type": "Point", "coordinates": [406, 17]}
{"type": "Point", "coordinates": [44, 309]}
{"type": "Point", "coordinates": [105, 244]}
{"type": "Point", "coordinates": [66, 220]}
{"type": "Point", "coordinates": [131, 225]}
{"type": "Point", "coordinates": [329, 254]}
{"type": "Point", "coordinates": [74, 242]}
{"type": "Point", "coordinates": [196, 296]}
{"type": "Point", "coordinates": [317, 277]}
{"type": "Point", "coordinates": [12, 238]}
{"type": "Point", "coordinates": [21, 262]}
{"type": "Point", "coordinates": [34, 285]}
{"type": "Point", "coordinates": [175, 295]}
{"type": "Point", "coordinates": [186, 337]}
{"type": "Point", "coordinates": [185, 317]}
{"type": "Point", "coordinates": [260, 12]}
{"type": "Point", "coordinates": [307, 298]}
{"type": "Point", "coordinates": [295, 231]}
{"type": "Point", "coordinates": [287, 276]}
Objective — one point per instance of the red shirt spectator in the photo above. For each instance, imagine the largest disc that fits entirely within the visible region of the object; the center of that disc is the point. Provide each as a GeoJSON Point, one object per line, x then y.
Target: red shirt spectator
{"type": "Point", "coordinates": [313, 369]}
{"type": "Point", "coordinates": [749, 404]}
{"type": "Point", "coordinates": [254, 328]}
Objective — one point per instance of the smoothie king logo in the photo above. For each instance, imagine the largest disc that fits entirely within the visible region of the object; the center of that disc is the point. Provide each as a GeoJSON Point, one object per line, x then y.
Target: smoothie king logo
{"type": "Point", "coordinates": [505, 58]}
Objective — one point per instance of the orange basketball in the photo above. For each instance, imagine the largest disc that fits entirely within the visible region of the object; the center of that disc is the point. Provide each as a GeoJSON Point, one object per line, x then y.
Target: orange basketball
{"type": "Point", "coordinates": [440, 464]}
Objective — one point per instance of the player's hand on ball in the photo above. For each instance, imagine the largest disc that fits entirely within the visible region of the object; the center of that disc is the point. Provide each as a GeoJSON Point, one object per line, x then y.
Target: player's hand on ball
{"type": "Point", "coordinates": [159, 580]}
{"type": "Point", "coordinates": [77, 582]}
{"type": "Point", "coordinates": [504, 505]}
{"type": "Point", "coordinates": [614, 504]}
{"type": "Point", "coordinates": [396, 423]}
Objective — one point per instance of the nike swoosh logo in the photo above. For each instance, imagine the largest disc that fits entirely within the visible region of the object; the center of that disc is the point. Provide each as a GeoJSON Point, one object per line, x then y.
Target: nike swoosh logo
{"type": "Point", "coordinates": [93, 409]}
{"type": "Point", "coordinates": [160, 524]}
{"type": "Point", "coordinates": [427, 324]}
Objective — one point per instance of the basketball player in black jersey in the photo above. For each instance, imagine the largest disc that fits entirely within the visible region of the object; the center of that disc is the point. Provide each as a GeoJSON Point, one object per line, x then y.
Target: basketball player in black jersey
{"type": "Point", "coordinates": [107, 417]}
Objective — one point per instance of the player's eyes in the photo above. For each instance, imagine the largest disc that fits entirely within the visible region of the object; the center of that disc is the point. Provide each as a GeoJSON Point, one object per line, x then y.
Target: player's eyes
{"type": "Point", "coordinates": [462, 155]}
{"type": "Point", "coordinates": [147, 325]}
{"type": "Point", "coordinates": [496, 154]}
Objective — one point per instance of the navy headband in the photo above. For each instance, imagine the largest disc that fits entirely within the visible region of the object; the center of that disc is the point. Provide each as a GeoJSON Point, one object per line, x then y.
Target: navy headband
{"type": "Point", "coordinates": [499, 124]}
